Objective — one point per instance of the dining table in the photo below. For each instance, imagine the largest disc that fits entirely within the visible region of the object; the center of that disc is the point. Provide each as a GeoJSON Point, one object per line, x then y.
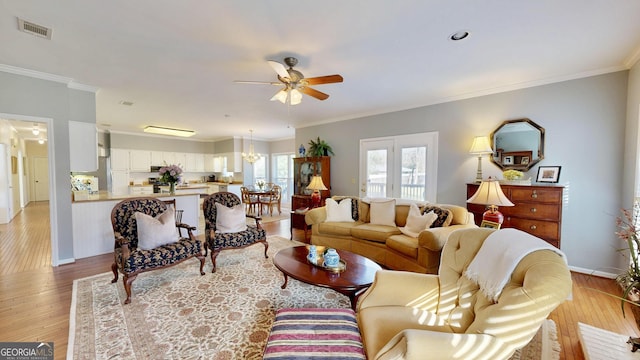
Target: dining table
{"type": "Point", "coordinates": [258, 193]}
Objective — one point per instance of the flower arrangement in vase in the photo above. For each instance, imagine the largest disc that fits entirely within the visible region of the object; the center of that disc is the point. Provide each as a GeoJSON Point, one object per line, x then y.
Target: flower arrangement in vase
{"type": "Point", "coordinates": [170, 174]}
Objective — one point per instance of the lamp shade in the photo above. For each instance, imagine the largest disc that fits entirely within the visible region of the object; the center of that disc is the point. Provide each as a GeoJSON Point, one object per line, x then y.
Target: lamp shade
{"type": "Point", "coordinates": [490, 193]}
{"type": "Point", "coordinates": [480, 146]}
{"type": "Point", "coordinates": [316, 184]}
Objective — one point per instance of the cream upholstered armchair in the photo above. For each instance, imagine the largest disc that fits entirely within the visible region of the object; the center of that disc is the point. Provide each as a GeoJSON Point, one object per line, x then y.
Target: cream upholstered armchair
{"type": "Point", "coordinates": [407, 315]}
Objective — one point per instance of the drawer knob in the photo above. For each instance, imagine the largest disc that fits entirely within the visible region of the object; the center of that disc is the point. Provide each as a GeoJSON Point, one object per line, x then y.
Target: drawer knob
{"type": "Point", "coordinates": [533, 210]}
{"type": "Point", "coordinates": [534, 195]}
{"type": "Point", "coordinates": [533, 227]}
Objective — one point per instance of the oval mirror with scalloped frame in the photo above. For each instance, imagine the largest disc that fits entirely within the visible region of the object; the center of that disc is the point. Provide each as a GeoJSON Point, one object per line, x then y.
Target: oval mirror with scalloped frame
{"type": "Point", "coordinates": [517, 144]}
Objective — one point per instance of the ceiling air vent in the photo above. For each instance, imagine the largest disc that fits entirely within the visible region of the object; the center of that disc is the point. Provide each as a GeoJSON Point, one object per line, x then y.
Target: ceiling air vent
{"type": "Point", "coordinates": [34, 29]}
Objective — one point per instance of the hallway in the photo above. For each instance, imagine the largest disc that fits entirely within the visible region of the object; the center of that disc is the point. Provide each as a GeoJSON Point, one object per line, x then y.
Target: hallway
{"type": "Point", "coordinates": [25, 242]}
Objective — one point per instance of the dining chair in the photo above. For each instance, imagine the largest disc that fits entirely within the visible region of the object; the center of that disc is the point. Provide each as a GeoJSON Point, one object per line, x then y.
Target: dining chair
{"type": "Point", "coordinates": [272, 199]}
{"type": "Point", "coordinates": [251, 202]}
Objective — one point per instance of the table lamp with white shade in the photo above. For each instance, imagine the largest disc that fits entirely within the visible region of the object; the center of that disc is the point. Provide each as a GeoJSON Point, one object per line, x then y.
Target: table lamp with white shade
{"type": "Point", "coordinates": [316, 185]}
{"type": "Point", "coordinates": [480, 147]}
{"type": "Point", "coordinates": [490, 194]}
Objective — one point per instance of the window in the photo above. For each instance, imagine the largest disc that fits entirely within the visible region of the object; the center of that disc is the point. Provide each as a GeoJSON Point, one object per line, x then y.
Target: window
{"type": "Point", "coordinates": [401, 167]}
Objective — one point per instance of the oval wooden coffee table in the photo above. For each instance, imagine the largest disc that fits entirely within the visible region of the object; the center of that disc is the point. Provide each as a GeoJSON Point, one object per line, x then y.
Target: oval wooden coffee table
{"type": "Point", "coordinates": [352, 282]}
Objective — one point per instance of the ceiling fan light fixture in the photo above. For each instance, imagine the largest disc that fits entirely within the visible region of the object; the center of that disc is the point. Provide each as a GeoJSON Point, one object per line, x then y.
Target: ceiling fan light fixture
{"type": "Point", "coordinates": [168, 131]}
{"type": "Point", "coordinates": [295, 97]}
{"type": "Point", "coordinates": [280, 96]}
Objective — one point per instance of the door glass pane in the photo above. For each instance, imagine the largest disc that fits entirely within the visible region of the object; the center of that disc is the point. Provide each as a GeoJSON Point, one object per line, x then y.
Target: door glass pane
{"type": "Point", "coordinates": [412, 184]}
{"type": "Point", "coordinates": [377, 173]}
{"type": "Point", "coordinates": [283, 174]}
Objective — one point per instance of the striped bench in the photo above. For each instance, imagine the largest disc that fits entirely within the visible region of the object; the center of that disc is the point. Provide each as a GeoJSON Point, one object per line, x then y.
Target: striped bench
{"type": "Point", "coordinates": [309, 333]}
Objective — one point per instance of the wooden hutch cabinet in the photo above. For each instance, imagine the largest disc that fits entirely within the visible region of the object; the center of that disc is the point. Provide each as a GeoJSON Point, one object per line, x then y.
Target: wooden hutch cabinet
{"type": "Point", "coordinates": [304, 168]}
{"type": "Point", "coordinates": [537, 210]}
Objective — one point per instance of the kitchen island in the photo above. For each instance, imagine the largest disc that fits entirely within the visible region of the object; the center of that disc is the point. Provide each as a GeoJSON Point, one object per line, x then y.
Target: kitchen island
{"type": "Point", "coordinates": [92, 230]}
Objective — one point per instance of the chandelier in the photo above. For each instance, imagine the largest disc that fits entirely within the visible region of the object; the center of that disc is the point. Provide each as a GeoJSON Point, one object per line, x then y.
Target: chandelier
{"type": "Point", "coordinates": [252, 156]}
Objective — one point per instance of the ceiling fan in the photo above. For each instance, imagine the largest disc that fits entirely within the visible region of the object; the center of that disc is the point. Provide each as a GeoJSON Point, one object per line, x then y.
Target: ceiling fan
{"type": "Point", "coordinates": [295, 84]}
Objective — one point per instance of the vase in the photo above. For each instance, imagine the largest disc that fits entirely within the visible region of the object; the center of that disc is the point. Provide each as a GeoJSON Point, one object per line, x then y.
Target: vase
{"type": "Point", "coordinates": [172, 188]}
{"type": "Point", "coordinates": [331, 258]}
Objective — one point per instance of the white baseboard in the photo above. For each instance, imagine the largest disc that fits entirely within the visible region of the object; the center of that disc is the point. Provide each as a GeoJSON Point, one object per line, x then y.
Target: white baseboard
{"type": "Point", "coordinates": [66, 261]}
{"type": "Point", "coordinates": [593, 272]}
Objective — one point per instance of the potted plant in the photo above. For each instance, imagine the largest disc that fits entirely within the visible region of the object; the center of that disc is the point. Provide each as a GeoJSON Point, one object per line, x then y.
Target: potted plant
{"type": "Point", "coordinates": [319, 148]}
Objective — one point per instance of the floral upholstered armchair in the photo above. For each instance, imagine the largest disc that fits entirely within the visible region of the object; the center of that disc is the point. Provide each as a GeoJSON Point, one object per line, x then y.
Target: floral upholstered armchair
{"type": "Point", "coordinates": [226, 226]}
{"type": "Point", "coordinates": [132, 257]}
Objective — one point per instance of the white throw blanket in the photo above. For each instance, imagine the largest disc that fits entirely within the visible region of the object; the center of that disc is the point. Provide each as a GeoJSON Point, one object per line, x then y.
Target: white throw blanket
{"type": "Point", "coordinates": [499, 255]}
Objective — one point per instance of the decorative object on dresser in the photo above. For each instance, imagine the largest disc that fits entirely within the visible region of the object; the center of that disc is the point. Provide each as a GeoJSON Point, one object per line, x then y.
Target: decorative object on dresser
{"type": "Point", "coordinates": [518, 144]}
{"type": "Point", "coordinates": [480, 147]}
{"type": "Point", "coordinates": [537, 210]}
{"type": "Point", "coordinates": [490, 194]}
{"type": "Point", "coordinates": [548, 174]}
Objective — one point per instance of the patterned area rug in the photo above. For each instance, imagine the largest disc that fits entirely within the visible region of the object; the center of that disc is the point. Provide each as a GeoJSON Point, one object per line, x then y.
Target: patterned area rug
{"type": "Point", "coordinates": [177, 314]}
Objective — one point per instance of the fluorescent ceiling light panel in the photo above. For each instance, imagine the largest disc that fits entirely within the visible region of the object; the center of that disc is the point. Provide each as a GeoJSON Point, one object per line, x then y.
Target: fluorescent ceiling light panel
{"type": "Point", "coordinates": [169, 131]}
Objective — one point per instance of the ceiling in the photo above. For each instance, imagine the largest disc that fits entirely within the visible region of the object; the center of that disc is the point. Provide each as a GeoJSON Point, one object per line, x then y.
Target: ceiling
{"type": "Point", "coordinates": [177, 61]}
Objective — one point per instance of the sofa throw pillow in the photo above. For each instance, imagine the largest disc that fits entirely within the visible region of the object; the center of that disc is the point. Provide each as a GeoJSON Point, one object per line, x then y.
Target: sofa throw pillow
{"type": "Point", "coordinates": [355, 215]}
{"type": "Point", "coordinates": [230, 219]}
{"type": "Point", "coordinates": [338, 211]}
{"type": "Point", "coordinates": [444, 215]}
{"type": "Point", "coordinates": [158, 231]}
{"type": "Point", "coordinates": [383, 212]}
{"type": "Point", "coordinates": [416, 222]}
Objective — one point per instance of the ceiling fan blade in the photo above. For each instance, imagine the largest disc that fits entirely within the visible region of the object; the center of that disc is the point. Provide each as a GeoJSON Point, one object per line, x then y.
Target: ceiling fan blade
{"type": "Point", "coordinates": [279, 68]}
{"type": "Point", "coordinates": [329, 79]}
{"type": "Point", "coordinates": [314, 93]}
{"type": "Point", "coordinates": [257, 82]}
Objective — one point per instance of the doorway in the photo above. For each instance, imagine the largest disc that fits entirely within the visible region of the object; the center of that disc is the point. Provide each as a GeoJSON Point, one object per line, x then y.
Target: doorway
{"type": "Point", "coordinates": [32, 137]}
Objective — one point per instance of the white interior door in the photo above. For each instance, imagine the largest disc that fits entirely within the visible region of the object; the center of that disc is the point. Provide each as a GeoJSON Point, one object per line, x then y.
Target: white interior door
{"type": "Point", "coordinates": [376, 168]}
{"type": "Point", "coordinates": [41, 179]}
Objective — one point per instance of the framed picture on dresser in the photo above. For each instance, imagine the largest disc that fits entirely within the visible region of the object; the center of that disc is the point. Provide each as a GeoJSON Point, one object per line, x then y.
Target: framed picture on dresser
{"type": "Point", "coordinates": [548, 174]}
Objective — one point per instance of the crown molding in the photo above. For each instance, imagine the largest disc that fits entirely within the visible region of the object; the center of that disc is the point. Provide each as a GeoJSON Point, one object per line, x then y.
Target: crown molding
{"type": "Point", "coordinates": [49, 77]}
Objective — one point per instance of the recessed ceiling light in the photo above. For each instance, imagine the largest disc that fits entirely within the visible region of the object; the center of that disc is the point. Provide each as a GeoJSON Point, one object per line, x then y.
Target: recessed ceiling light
{"type": "Point", "coordinates": [459, 35]}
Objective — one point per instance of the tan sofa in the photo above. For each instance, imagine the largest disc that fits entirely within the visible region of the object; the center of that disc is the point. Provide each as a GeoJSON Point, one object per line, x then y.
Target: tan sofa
{"type": "Point", "coordinates": [384, 244]}
{"type": "Point", "coordinates": [406, 315]}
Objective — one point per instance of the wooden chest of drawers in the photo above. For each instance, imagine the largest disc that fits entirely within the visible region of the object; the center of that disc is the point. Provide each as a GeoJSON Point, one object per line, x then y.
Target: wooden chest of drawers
{"type": "Point", "coordinates": [537, 210]}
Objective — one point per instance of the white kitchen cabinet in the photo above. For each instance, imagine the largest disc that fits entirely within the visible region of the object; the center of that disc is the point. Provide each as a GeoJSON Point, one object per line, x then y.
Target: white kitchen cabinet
{"type": "Point", "coordinates": [157, 158]}
{"type": "Point", "coordinates": [140, 160]}
{"type": "Point", "coordinates": [119, 159]}
{"type": "Point", "coordinates": [209, 162]}
{"type": "Point", "coordinates": [83, 146]}
{"type": "Point", "coordinates": [168, 158]}
{"type": "Point", "coordinates": [181, 159]}
{"type": "Point", "coordinates": [218, 163]}
{"type": "Point", "coordinates": [199, 162]}
{"type": "Point", "coordinates": [120, 182]}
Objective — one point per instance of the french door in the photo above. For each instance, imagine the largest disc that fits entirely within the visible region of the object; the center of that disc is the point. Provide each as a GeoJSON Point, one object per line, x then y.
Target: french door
{"type": "Point", "coordinates": [402, 167]}
{"type": "Point", "coordinates": [283, 174]}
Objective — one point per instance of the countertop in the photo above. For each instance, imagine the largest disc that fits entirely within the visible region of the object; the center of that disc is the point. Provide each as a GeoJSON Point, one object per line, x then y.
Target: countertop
{"type": "Point", "coordinates": [105, 196]}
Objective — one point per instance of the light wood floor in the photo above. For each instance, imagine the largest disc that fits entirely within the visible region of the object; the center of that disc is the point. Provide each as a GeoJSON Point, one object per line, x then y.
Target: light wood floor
{"type": "Point", "coordinates": [35, 298]}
